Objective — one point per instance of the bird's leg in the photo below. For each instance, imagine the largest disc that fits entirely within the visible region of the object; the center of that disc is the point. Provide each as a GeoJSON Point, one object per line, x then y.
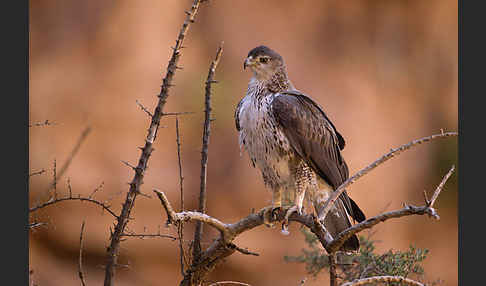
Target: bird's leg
{"type": "Point", "coordinates": [301, 182]}
{"type": "Point", "coordinates": [297, 207]}
{"type": "Point", "coordinates": [269, 213]}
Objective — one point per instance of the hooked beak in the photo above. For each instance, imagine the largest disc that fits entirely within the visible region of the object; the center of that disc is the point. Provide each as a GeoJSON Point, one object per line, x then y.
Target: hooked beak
{"type": "Point", "coordinates": [248, 62]}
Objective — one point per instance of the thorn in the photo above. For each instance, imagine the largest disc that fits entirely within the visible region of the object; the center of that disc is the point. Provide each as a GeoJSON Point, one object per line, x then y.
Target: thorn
{"type": "Point", "coordinates": [187, 12]}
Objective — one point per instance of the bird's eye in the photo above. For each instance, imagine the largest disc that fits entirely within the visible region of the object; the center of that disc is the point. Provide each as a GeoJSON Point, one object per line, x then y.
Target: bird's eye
{"type": "Point", "coordinates": [263, 60]}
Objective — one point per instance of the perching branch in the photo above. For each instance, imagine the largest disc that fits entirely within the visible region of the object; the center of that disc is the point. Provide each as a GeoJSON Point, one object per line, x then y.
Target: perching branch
{"type": "Point", "coordinates": [134, 190]}
{"type": "Point", "coordinates": [224, 247]}
{"type": "Point", "coordinates": [204, 153]}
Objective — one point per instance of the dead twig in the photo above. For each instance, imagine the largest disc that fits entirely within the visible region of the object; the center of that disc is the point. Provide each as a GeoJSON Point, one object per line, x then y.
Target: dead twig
{"type": "Point", "coordinates": [80, 261]}
{"type": "Point", "coordinates": [37, 173]}
{"type": "Point", "coordinates": [143, 108]}
{"type": "Point", "coordinates": [71, 198]}
{"type": "Point", "coordinates": [148, 235]}
{"type": "Point", "coordinates": [45, 123]}
{"type": "Point", "coordinates": [73, 153]}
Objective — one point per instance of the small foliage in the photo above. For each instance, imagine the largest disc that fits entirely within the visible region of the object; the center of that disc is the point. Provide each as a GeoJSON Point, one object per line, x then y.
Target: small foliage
{"type": "Point", "coordinates": [364, 264]}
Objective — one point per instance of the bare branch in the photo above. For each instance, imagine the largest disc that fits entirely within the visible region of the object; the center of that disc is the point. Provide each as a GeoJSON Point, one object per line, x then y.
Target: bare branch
{"type": "Point", "coordinates": [406, 211]}
{"type": "Point", "coordinates": [381, 160]}
{"type": "Point", "coordinates": [243, 250]}
{"type": "Point", "coordinates": [177, 113]}
{"type": "Point", "coordinates": [80, 261]}
{"type": "Point", "coordinates": [73, 153]}
{"type": "Point", "coordinates": [440, 187]}
{"type": "Point", "coordinates": [387, 279]}
{"type": "Point", "coordinates": [37, 173]}
{"type": "Point", "coordinates": [228, 282]}
{"type": "Point", "coordinates": [112, 255]}
{"type": "Point", "coordinates": [143, 108]}
{"type": "Point", "coordinates": [204, 153]}
{"type": "Point", "coordinates": [147, 235]}
{"type": "Point", "coordinates": [45, 123]}
{"type": "Point", "coordinates": [186, 216]}
{"type": "Point", "coordinates": [70, 198]}
{"type": "Point", "coordinates": [181, 174]}
{"type": "Point", "coordinates": [54, 180]}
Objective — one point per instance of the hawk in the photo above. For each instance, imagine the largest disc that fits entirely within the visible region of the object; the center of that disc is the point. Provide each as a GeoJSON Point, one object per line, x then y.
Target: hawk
{"type": "Point", "coordinates": [290, 139]}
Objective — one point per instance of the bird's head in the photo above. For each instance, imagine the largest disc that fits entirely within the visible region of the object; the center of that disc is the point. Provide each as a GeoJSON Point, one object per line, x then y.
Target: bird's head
{"type": "Point", "coordinates": [263, 62]}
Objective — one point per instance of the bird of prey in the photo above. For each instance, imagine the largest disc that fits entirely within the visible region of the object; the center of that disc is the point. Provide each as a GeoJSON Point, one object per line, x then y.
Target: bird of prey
{"type": "Point", "coordinates": [290, 139]}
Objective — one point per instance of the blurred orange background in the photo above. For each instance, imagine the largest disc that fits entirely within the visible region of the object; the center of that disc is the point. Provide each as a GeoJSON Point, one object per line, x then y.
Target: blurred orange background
{"type": "Point", "coordinates": [385, 72]}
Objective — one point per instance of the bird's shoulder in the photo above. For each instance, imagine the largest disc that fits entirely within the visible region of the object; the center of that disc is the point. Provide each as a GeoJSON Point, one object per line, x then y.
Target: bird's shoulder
{"type": "Point", "coordinates": [301, 114]}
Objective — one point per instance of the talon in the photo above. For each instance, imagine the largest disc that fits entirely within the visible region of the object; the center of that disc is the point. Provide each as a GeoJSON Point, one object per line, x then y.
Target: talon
{"type": "Point", "coordinates": [285, 230]}
{"type": "Point", "coordinates": [289, 212]}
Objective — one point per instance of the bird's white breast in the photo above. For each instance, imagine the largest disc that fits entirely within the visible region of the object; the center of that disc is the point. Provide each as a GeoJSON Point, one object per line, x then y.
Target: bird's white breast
{"type": "Point", "coordinates": [263, 140]}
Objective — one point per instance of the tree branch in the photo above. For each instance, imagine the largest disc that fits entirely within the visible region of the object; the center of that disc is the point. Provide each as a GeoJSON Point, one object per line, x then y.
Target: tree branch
{"type": "Point", "coordinates": [222, 247]}
{"type": "Point", "coordinates": [70, 198]}
{"type": "Point", "coordinates": [407, 210]}
{"type": "Point", "coordinates": [204, 154]}
{"type": "Point", "coordinates": [80, 261]}
{"type": "Point", "coordinates": [387, 279]}
{"type": "Point", "coordinates": [381, 160]}
{"type": "Point", "coordinates": [73, 153]}
{"type": "Point", "coordinates": [112, 253]}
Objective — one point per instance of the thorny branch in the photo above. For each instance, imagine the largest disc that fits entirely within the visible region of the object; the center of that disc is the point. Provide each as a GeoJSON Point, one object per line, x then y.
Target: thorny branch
{"type": "Point", "coordinates": [134, 190]}
{"type": "Point", "coordinates": [204, 153]}
{"type": "Point", "coordinates": [180, 228]}
{"type": "Point", "coordinates": [71, 198]}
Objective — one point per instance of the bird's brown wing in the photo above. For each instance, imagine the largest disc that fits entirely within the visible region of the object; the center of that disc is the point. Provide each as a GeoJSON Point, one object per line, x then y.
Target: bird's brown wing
{"type": "Point", "coordinates": [315, 139]}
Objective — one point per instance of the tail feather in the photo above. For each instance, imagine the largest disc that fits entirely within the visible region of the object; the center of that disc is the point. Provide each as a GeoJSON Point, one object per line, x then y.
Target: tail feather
{"type": "Point", "coordinates": [358, 214]}
{"type": "Point", "coordinates": [337, 219]}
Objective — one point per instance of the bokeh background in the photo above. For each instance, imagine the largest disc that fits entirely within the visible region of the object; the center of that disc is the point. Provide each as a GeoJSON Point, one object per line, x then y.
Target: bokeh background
{"type": "Point", "coordinates": [386, 72]}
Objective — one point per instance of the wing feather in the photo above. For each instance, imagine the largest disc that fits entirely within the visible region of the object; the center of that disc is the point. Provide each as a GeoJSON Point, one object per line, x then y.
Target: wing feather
{"type": "Point", "coordinates": [315, 139]}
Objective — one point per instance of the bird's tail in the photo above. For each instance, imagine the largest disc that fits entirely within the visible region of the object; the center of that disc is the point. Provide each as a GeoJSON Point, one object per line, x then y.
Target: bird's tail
{"type": "Point", "coordinates": [337, 219]}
